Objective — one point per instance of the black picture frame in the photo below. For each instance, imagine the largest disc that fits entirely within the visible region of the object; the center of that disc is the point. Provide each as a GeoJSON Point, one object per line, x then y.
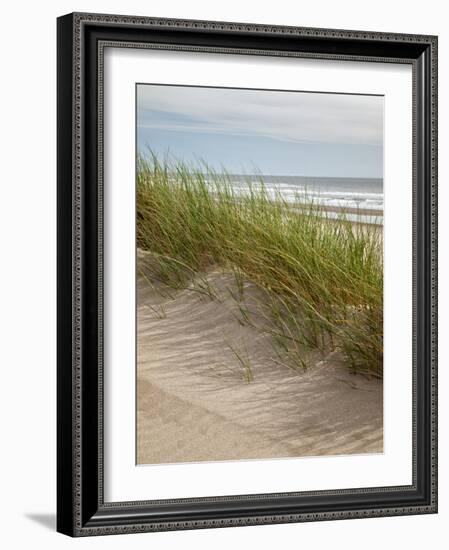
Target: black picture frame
{"type": "Point", "coordinates": [81, 510]}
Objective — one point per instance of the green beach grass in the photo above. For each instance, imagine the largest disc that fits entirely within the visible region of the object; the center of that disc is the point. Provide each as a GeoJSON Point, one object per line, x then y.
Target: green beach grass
{"type": "Point", "coordinates": [321, 279]}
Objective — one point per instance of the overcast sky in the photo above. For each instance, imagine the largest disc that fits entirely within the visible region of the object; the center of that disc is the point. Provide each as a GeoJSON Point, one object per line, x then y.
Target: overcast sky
{"type": "Point", "coordinates": [279, 133]}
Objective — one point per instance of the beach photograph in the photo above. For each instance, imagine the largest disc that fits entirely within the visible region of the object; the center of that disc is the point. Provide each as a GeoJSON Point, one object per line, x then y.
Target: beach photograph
{"type": "Point", "coordinates": [259, 274]}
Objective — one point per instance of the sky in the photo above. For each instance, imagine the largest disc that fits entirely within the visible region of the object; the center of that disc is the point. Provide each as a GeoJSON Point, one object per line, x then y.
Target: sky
{"type": "Point", "coordinates": [259, 131]}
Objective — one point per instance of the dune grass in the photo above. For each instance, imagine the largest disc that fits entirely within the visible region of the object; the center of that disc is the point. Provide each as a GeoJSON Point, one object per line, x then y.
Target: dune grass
{"type": "Point", "coordinates": [321, 279]}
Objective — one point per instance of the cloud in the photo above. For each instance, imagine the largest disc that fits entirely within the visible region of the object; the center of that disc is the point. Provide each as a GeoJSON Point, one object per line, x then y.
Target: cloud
{"type": "Point", "coordinates": [301, 117]}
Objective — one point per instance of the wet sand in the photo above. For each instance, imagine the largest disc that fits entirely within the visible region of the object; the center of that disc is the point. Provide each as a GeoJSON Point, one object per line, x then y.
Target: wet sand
{"type": "Point", "coordinates": [194, 403]}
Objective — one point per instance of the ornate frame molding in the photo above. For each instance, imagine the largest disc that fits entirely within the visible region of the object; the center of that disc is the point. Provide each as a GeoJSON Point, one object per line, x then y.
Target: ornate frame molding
{"type": "Point", "coordinates": [82, 512]}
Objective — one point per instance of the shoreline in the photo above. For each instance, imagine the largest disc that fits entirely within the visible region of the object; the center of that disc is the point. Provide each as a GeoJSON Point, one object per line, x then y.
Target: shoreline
{"type": "Point", "coordinates": [352, 210]}
{"type": "Point", "coordinates": [366, 212]}
{"type": "Point", "coordinates": [374, 212]}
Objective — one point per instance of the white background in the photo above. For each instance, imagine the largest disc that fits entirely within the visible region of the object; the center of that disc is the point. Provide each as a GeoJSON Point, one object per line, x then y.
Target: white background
{"type": "Point", "coordinates": [28, 305]}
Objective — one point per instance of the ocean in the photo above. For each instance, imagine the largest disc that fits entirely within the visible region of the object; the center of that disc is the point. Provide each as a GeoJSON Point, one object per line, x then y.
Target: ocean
{"type": "Point", "coordinates": [362, 194]}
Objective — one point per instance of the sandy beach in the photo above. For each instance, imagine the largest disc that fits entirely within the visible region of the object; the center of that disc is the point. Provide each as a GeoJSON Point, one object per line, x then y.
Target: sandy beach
{"type": "Point", "coordinates": [194, 399]}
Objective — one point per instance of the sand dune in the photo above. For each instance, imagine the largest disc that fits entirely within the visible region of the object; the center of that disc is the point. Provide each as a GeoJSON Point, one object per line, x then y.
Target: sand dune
{"type": "Point", "coordinates": [194, 403]}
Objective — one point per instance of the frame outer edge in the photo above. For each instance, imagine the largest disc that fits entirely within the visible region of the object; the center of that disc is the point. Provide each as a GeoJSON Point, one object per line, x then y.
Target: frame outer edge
{"type": "Point", "coordinates": [434, 272]}
{"type": "Point", "coordinates": [65, 367]}
{"type": "Point", "coordinates": [233, 26]}
{"type": "Point", "coordinates": [77, 268]}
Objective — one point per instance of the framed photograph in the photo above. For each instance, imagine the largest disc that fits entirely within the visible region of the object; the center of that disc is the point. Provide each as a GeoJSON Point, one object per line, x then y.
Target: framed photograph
{"type": "Point", "coordinates": [247, 276]}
